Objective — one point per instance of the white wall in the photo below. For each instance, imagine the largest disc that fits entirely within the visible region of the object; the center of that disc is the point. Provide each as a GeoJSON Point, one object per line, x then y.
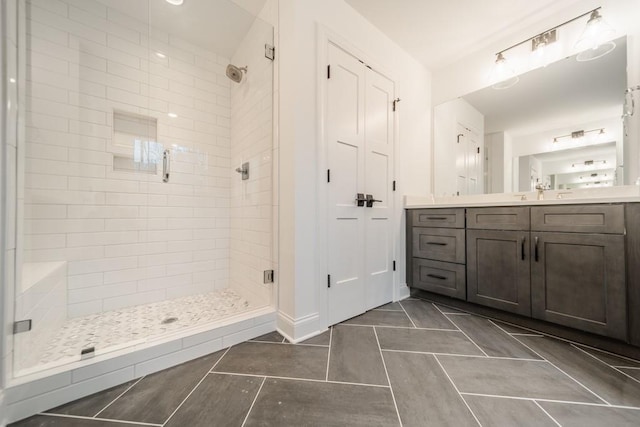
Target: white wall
{"type": "Point", "coordinates": [252, 142]}
{"type": "Point", "coordinates": [471, 73]}
{"type": "Point", "coordinates": [301, 295]}
{"type": "Point", "coordinates": [129, 238]}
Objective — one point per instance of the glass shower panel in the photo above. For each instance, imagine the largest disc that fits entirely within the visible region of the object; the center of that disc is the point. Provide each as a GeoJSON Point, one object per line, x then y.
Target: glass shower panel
{"type": "Point", "coordinates": [88, 152]}
{"type": "Point", "coordinates": [135, 224]}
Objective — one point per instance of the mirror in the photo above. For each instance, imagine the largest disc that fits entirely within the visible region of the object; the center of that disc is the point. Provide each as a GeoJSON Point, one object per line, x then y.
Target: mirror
{"type": "Point", "coordinates": [559, 127]}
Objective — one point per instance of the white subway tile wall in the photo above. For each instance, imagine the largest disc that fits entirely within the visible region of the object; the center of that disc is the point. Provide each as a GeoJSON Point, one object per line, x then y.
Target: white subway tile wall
{"type": "Point", "coordinates": [129, 238]}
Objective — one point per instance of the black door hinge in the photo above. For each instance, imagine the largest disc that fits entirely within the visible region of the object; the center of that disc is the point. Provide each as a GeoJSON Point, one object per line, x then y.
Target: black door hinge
{"type": "Point", "coordinates": [394, 266]}
{"type": "Point", "coordinates": [394, 186]}
{"type": "Point", "coordinates": [328, 71]}
{"type": "Point", "coordinates": [328, 280]}
{"type": "Point", "coordinates": [328, 175]}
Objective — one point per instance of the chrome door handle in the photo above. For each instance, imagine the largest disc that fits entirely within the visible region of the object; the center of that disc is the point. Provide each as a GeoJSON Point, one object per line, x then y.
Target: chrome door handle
{"type": "Point", "coordinates": [166, 165]}
{"type": "Point", "coordinates": [371, 200]}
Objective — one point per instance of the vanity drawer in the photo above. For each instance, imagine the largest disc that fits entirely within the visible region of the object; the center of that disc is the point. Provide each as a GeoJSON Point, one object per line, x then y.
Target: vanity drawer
{"type": "Point", "coordinates": [508, 218]}
{"type": "Point", "coordinates": [608, 219]}
{"type": "Point", "coordinates": [448, 218]}
{"type": "Point", "coordinates": [440, 277]}
{"type": "Point", "coordinates": [440, 244]}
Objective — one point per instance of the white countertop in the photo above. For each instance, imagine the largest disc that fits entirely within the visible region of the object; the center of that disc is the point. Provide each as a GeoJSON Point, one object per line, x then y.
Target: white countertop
{"type": "Point", "coordinates": [621, 194]}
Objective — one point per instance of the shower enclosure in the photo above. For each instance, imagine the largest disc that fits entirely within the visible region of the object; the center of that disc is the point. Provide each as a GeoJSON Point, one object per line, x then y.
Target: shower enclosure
{"type": "Point", "coordinates": [132, 225]}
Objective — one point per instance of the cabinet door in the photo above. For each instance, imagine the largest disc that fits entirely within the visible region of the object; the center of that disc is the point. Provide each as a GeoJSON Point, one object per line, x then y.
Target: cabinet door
{"type": "Point", "coordinates": [578, 280]}
{"type": "Point", "coordinates": [498, 270]}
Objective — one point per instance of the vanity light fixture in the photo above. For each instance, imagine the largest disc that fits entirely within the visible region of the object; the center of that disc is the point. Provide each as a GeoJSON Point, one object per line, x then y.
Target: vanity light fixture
{"type": "Point", "coordinates": [593, 44]}
{"type": "Point", "coordinates": [589, 163]}
{"type": "Point", "coordinates": [579, 134]}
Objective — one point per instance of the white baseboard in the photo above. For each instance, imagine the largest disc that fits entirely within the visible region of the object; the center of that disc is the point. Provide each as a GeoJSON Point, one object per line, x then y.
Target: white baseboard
{"type": "Point", "coordinates": [403, 292]}
{"type": "Point", "coordinates": [297, 330]}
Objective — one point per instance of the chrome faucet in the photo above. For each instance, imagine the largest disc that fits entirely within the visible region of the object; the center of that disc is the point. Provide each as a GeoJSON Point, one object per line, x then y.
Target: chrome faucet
{"type": "Point", "coordinates": [540, 189]}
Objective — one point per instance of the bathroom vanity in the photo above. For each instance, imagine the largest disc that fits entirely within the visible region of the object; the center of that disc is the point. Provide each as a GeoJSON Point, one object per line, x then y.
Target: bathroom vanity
{"type": "Point", "coordinates": [574, 263]}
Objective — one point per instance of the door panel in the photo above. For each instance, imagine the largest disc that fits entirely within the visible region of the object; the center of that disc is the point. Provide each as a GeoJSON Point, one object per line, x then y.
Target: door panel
{"type": "Point", "coordinates": [379, 131]}
{"type": "Point", "coordinates": [346, 158]}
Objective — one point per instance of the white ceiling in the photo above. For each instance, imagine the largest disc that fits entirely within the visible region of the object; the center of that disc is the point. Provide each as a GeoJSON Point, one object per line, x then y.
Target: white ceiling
{"type": "Point", "coordinates": [217, 25]}
{"type": "Point", "coordinates": [437, 32]}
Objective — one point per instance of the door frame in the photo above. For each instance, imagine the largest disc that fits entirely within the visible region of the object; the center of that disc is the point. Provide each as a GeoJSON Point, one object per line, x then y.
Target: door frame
{"type": "Point", "coordinates": [324, 37]}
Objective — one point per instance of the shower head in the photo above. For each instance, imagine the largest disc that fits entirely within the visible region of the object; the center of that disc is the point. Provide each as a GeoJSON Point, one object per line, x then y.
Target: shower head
{"type": "Point", "coordinates": [235, 73]}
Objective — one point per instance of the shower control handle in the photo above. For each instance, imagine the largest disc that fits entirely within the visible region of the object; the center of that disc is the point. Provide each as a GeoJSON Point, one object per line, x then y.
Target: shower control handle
{"type": "Point", "coordinates": [166, 165]}
{"type": "Point", "coordinates": [371, 200]}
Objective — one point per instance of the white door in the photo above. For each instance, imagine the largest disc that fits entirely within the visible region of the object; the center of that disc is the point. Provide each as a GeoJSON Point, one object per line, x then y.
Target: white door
{"type": "Point", "coordinates": [359, 132]}
{"type": "Point", "coordinates": [379, 132]}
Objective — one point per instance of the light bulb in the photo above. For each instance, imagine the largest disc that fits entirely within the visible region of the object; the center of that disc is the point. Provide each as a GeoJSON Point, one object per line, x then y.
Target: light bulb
{"type": "Point", "coordinates": [503, 76]}
{"type": "Point", "coordinates": [593, 43]}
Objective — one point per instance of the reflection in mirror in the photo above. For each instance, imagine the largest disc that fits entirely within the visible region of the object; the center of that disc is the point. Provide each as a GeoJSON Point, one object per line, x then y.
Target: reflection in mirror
{"type": "Point", "coordinates": [559, 127]}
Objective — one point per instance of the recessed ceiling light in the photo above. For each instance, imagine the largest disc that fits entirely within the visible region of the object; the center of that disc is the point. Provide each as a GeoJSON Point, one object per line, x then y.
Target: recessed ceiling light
{"type": "Point", "coordinates": [172, 115]}
{"type": "Point", "coordinates": [175, 2]}
{"type": "Point", "coordinates": [161, 55]}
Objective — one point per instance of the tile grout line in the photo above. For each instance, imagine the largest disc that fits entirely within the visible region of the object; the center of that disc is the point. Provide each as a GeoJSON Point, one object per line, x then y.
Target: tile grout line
{"type": "Point", "coordinates": [108, 420]}
{"type": "Point", "coordinates": [619, 356]}
{"type": "Point", "coordinates": [514, 338]}
{"type": "Point", "coordinates": [456, 389]}
{"type": "Point", "coordinates": [465, 334]}
{"type": "Point", "coordinates": [393, 396]}
{"type": "Point", "coordinates": [445, 316]}
{"type": "Point", "coordinates": [286, 343]}
{"type": "Point", "coordinates": [219, 360]}
{"type": "Point", "coordinates": [194, 389]}
{"type": "Point", "coordinates": [407, 314]}
{"type": "Point", "coordinates": [119, 396]}
{"type": "Point", "coordinates": [607, 364]}
{"type": "Point", "coordinates": [569, 402]}
{"type": "Point", "coordinates": [398, 327]}
{"type": "Point", "coordinates": [553, 364]}
{"type": "Point", "coordinates": [463, 355]}
{"type": "Point", "coordinates": [299, 379]}
{"type": "Point", "coordinates": [254, 402]}
{"type": "Point", "coordinates": [548, 414]}
{"type": "Point", "coordinates": [326, 378]}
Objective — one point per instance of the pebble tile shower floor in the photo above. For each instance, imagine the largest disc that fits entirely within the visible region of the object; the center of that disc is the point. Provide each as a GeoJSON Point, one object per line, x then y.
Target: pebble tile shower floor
{"type": "Point", "coordinates": [412, 363]}
{"type": "Point", "coordinates": [112, 329]}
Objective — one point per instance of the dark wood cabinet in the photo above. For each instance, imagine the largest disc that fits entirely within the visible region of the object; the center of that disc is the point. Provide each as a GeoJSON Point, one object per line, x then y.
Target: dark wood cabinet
{"type": "Point", "coordinates": [572, 265]}
{"type": "Point", "coordinates": [436, 251]}
{"type": "Point", "coordinates": [498, 269]}
{"type": "Point", "coordinates": [578, 280]}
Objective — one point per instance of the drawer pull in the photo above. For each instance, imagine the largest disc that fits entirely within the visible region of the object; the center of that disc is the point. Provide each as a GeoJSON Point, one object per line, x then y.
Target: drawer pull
{"type": "Point", "coordinates": [522, 247]}
{"type": "Point", "coordinates": [436, 276]}
{"type": "Point", "coordinates": [437, 218]}
{"type": "Point", "coordinates": [437, 243]}
{"type": "Point", "coordinates": [536, 257]}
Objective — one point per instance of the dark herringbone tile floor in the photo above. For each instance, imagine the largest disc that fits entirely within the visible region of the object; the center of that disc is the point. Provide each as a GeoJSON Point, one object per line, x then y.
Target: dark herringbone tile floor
{"type": "Point", "coordinates": [411, 363]}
